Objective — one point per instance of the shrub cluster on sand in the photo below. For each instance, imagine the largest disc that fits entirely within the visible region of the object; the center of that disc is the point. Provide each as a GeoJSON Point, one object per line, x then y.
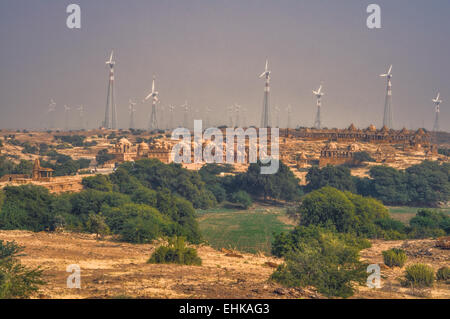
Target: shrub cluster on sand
{"type": "Point", "coordinates": [175, 252]}
{"type": "Point", "coordinates": [443, 274]}
{"type": "Point", "coordinates": [394, 257]}
{"type": "Point", "coordinates": [418, 276]}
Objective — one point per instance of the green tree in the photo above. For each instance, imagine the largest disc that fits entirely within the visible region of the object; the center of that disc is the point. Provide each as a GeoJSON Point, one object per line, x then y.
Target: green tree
{"type": "Point", "coordinates": [96, 224]}
{"type": "Point", "coordinates": [16, 280]}
{"type": "Point", "coordinates": [338, 177]}
{"type": "Point", "coordinates": [242, 198]}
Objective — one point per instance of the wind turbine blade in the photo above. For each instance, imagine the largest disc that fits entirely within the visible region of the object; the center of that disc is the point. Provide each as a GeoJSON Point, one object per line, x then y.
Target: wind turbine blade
{"type": "Point", "coordinates": [390, 69]}
{"type": "Point", "coordinates": [153, 86]}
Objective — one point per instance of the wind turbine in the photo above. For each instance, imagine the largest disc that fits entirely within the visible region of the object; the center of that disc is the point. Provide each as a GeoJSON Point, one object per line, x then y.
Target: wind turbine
{"type": "Point", "coordinates": [110, 103]}
{"type": "Point", "coordinates": [437, 102]}
{"type": "Point", "coordinates": [171, 109]}
{"type": "Point", "coordinates": [185, 108]}
{"type": "Point", "coordinates": [238, 114]}
{"type": "Point", "coordinates": [131, 107]}
{"type": "Point", "coordinates": [318, 94]}
{"type": "Point", "coordinates": [51, 113]}
{"type": "Point", "coordinates": [265, 116]}
{"type": "Point", "coordinates": [231, 109]}
{"type": "Point", "coordinates": [81, 116]}
{"type": "Point", "coordinates": [66, 115]}
{"type": "Point", "coordinates": [154, 96]}
{"type": "Point", "coordinates": [289, 115]}
{"type": "Point", "coordinates": [277, 115]}
{"type": "Point", "coordinates": [388, 117]}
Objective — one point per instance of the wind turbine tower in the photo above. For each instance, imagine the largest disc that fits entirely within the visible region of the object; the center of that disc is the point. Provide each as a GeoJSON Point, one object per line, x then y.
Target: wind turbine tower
{"type": "Point", "coordinates": [154, 96]}
{"type": "Point", "coordinates": [110, 111]}
{"type": "Point", "coordinates": [277, 116]}
{"type": "Point", "coordinates": [132, 109]}
{"type": "Point", "coordinates": [66, 115]}
{"type": "Point", "coordinates": [171, 109]}
{"type": "Point", "coordinates": [51, 113]}
{"type": "Point", "coordinates": [185, 108]}
{"type": "Point", "coordinates": [289, 115]}
{"type": "Point", "coordinates": [238, 114]}
{"type": "Point", "coordinates": [388, 117]}
{"type": "Point", "coordinates": [318, 94]}
{"type": "Point", "coordinates": [437, 102]}
{"type": "Point", "coordinates": [265, 116]}
{"type": "Point", "coordinates": [81, 116]}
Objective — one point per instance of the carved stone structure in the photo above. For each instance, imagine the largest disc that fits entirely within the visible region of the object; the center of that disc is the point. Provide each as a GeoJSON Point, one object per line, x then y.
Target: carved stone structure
{"type": "Point", "coordinates": [41, 173]}
{"type": "Point", "coordinates": [332, 155]}
{"type": "Point", "coordinates": [370, 135]}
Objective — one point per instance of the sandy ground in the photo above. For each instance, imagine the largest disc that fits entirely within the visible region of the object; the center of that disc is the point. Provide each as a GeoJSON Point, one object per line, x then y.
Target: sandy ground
{"type": "Point", "coordinates": [119, 270]}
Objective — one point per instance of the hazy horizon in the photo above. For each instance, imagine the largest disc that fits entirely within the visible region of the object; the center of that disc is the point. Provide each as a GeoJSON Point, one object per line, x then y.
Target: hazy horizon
{"type": "Point", "coordinates": [211, 53]}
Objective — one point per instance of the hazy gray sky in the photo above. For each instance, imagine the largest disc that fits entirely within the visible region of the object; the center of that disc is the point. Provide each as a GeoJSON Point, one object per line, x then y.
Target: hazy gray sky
{"type": "Point", "coordinates": [211, 53]}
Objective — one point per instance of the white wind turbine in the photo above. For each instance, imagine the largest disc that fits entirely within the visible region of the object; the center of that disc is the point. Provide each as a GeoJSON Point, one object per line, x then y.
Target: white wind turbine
{"type": "Point", "coordinates": [277, 116]}
{"type": "Point", "coordinates": [289, 115]}
{"type": "Point", "coordinates": [437, 102]}
{"type": "Point", "coordinates": [318, 94]}
{"type": "Point", "coordinates": [51, 111]}
{"type": "Point", "coordinates": [132, 109]}
{"type": "Point", "coordinates": [388, 116]}
{"type": "Point", "coordinates": [265, 116]}
{"type": "Point", "coordinates": [154, 96]}
{"type": "Point", "coordinates": [185, 108]}
{"type": "Point", "coordinates": [66, 115]}
{"type": "Point", "coordinates": [238, 114]}
{"type": "Point", "coordinates": [171, 109]}
{"type": "Point", "coordinates": [80, 110]}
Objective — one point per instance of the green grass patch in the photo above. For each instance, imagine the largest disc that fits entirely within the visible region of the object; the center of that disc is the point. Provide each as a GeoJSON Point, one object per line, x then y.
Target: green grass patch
{"type": "Point", "coordinates": [405, 213]}
{"type": "Point", "coordinates": [245, 230]}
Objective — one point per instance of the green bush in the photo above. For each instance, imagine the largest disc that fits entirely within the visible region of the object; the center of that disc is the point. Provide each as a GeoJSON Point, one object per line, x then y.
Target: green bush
{"type": "Point", "coordinates": [429, 223]}
{"type": "Point", "coordinates": [96, 224]}
{"type": "Point", "coordinates": [346, 212]}
{"type": "Point", "coordinates": [316, 257]}
{"type": "Point", "coordinates": [242, 198]}
{"type": "Point", "coordinates": [175, 252]}
{"type": "Point", "coordinates": [16, 280]}
{"type": "Point", "coordinates": [419, 275]}
{"type": "Point", "coordinates": [394, 257]}
{"type": "Point", "coordinates": [443, 274]}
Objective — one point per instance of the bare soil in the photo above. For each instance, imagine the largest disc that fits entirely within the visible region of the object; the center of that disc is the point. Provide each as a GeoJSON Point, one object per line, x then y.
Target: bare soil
{"type": "Point", "coordinates": [119, 270]}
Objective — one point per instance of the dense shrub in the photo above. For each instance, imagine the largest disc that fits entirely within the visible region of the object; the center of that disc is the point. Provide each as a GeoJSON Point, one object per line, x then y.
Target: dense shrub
{"type": "Point", "coordinates": [26, 207]}
{"type": "Point", "coordinates": [316, 257]}
{"type": "Point", "coordinates": [96, 224]}
{"type": "Point", "coordinates": [443, 274]}
{"type": "Point", "coordinates": [154, 174]}
{"type": "Point", "coordinates": [345, 211]}
{"type": "Point", "coordinates": [175, 252]}
{"type": "Point", "coordinates": [16, 280]}
{"type": "Point", "coordinates": [418, 276]}
{"type": "Point", "coordinates": [338, 177]}
{"type": "Point", "coordinates": [425, 184]}
{"type": "Point", "coordinates": [429, 223]}
{"type": "Point", "coordinates": [242, 198]}
{"type": "Point", "coordinates": [394, 257]}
